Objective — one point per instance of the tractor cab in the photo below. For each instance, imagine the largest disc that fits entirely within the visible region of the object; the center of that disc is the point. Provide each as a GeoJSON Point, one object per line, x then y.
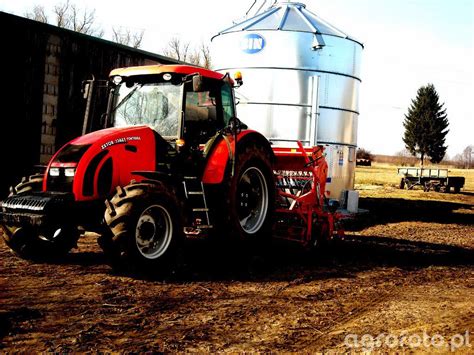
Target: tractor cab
{"type": "Point", "coordinates": [186, 107]}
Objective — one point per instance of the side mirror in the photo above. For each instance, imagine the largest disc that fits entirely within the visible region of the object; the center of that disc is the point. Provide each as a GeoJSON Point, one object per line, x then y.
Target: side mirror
{"type": "Point", "coordinates": [197, 83]}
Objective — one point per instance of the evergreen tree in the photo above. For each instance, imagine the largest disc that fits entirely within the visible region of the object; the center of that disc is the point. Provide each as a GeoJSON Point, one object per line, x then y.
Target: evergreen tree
{"type": "Point", "coordinates": [426, 126]}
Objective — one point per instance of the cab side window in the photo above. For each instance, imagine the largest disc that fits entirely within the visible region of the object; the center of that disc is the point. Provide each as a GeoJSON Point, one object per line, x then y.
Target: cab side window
{"type": "Point", "coordinates": [199, 106]}
{"type": "Point", "coordinates": [227, 104]}
{"type": "Point", "coordinates": [200, 116]}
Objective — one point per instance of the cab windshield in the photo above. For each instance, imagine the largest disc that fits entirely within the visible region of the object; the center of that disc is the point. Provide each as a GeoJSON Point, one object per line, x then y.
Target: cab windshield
{"type": "Point", "coordinates": [157, 105]}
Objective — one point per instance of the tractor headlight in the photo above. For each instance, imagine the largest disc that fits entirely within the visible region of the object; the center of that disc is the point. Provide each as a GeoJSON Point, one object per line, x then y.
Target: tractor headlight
{"type": "Point", "coordinates": [69, 172]}
{"type": "Point", "coordinates": [54, 171]}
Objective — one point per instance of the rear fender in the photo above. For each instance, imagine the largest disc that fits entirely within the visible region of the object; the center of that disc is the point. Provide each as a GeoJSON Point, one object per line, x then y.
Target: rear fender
{"type": "Point", "coordinates": [219, 157]}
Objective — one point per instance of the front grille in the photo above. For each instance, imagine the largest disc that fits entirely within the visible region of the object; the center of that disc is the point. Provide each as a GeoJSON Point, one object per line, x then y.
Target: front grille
{"type": "Point", "coordinates": [30, 203]}
{"type": "Point", "coordinates": [61, 183]}
{"type": "Point", "coordinates": [37, 202]}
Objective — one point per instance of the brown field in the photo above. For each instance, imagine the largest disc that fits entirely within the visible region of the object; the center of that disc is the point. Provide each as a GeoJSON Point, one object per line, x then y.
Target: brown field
{"type": "Point", "coordinates": [404, 270]}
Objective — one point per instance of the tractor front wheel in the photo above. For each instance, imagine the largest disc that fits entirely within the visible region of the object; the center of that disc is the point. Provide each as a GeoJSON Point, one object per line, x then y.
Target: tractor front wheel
{"type": "Point", "coordinates": [146, 228]}
{"type": "Point", "coordinates": [40, 243]}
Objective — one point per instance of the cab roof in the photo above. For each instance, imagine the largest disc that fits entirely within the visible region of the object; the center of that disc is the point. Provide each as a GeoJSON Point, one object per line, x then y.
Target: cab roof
{"type": "Point", "coordinates": [159, 69]}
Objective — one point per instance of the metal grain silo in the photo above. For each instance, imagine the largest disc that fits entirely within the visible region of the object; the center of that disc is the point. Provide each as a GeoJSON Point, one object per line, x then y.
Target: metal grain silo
{"type": "Point", "coordinates": [301, 82]}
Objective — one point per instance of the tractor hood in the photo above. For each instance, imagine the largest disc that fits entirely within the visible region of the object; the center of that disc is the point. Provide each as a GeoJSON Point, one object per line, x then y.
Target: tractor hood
{"type": "Point", "coordinates": [107, 134]}
{"type": "Point", "coordinates": [91, 166]}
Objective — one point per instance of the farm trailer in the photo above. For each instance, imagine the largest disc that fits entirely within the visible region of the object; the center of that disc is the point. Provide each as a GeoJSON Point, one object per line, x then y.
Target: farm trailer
{"type": "Point", "coordinates": [436, 179]}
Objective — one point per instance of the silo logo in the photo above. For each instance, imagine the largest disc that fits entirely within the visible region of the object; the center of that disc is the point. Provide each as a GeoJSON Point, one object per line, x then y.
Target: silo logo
{"type": "Point", "coordinates": [252, 43]}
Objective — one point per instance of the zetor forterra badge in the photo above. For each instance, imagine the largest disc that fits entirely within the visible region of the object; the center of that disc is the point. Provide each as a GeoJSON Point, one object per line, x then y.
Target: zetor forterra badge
{"type": "Point", "coordinates": [252, 43]}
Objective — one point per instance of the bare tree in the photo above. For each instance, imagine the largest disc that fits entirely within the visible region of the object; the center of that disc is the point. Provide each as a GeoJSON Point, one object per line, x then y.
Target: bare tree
{"type": "Point", "coordinates": [126, 37]}
{"type": "Point", "coordinates": [38, 14]}
{"type": "Point", "coordinates": [181, 50]}
{"type": "Point", "coordinates": [458, 161]}
{"type": "Point", "coordinates": [467, 156]}
{"type": "Point", "coordinates": [70, 16]}
{"type": "Point", "coordinates": [205, 55]}
{"type": "Point", "coordinates": [195, 58]}
{"type": "Point", "coordinates": [61, 11]}
{"type": "Point", "coordinates": [82, 21]}
{"type": "Point", "coordinates": [177, 49]}
{"type": "Point", "coordinates": [404, 158]}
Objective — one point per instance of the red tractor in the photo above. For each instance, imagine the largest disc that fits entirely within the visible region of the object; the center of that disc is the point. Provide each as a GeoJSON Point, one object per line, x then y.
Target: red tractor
{"type": "Point", "coordinates": [173, 162]}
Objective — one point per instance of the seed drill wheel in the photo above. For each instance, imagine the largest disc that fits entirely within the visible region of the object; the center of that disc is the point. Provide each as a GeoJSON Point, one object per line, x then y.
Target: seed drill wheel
{"type": "Point", "coordinates": [38, 243]}
{"type": "Point", "coordinates": [146, 228]}
{"type": "Point", "coordinates": [250, 197]}
{"type": "Point", "coordinates": [320, 235]}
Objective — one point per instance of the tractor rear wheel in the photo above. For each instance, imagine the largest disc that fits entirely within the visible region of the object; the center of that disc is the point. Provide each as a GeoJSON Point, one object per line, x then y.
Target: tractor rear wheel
{"type": "Point", "coordinates": [38, 243]}
{"type": "Point", "coordinates": [146, 228]}
{"type": "Point", "coordinates": [250, 197]}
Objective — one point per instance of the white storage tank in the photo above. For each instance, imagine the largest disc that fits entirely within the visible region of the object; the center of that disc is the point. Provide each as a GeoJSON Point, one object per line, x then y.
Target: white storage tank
{"type": "Point", "coordinates": [301, 82]}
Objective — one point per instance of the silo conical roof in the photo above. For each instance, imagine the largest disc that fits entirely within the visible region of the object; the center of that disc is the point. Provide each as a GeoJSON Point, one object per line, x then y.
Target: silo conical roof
{"type": "Point", "coordinates": [288, 16]}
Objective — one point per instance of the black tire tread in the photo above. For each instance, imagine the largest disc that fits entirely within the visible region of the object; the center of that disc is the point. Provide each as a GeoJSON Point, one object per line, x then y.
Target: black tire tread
{"type": "Point", "coordinates": [250, 152]}
{"type": "Point", "coordinates": [120, 219]}
{"type": "Point", "coordinates": [28, 184]}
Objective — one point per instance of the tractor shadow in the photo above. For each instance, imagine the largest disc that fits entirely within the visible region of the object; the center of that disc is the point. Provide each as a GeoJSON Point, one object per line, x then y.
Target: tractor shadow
{"type": "Point", "coordinates": [89, 258]}
{"type": "Point", "coordinates": [343, 258]}
{"type": "Point", "coordinates": [204, 261]}
{"type": "Point", "coordinates": [288, 262]}
{"type": "Point", "coordinates": [394, 210]}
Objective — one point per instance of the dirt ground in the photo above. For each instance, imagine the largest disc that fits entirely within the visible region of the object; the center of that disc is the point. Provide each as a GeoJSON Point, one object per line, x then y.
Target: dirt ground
{"type": "Point", "coordinates": [405, 274]}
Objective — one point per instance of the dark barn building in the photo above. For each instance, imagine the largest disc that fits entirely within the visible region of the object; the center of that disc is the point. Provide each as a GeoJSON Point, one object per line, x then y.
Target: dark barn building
{"type": "Point", "coordinates": [42, 106]}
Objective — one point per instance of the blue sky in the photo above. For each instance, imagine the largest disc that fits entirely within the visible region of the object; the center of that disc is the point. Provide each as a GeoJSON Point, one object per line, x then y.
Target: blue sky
{"type": "Point", "coordinates": [408, 43]}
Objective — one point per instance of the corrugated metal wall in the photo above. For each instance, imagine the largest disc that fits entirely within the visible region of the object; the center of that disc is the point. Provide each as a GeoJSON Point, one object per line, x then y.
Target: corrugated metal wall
{"type": "Point", "coordinates": [41, 105]}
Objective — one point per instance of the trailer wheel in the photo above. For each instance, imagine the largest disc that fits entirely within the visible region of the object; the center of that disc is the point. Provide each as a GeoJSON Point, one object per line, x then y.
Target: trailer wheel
{"type": "Point", "coordinates": [146, 228]}
{"type": "Point", "coordinates": [250, 197]}
{"type": "Point", "coordinates": [402, 183]}
{"type": "Point", "coordinates": [38, 243]}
